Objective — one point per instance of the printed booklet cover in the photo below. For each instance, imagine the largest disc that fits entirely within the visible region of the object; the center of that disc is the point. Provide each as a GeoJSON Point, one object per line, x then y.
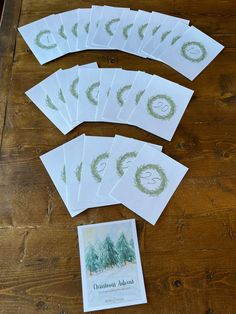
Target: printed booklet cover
{"type": "Point", "coordinates": [110, 265]}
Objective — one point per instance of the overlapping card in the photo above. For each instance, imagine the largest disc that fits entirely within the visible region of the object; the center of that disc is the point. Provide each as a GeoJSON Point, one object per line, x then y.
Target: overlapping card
{"type": "Point", "coordinates": [87, 93]}
{"type": "Point", "coordinates": [94, 171]}
{"type": "Point", "coordinates": [147, 34]}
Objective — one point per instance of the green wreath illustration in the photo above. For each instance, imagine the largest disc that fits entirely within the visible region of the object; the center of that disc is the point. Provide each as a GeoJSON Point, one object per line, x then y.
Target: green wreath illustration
{"type": "Point", "coordinates": [40, 44]}
{"type": "Point", "coordinates": [141, 30]}
{"type": "Point", "coordinates": [61, 32]}
{"type": "Point", "coordinates": [189, 46]}
{"type": "Point", "coordinates": [126, 29]}
{"type": "Point", "coordinates": [73, 88]}
{"type": "Point", "coordinates": [61, 96]}
{"type": "Point", "coordinates": [139, 96]}
{"type": "Point", "coordinates": [120, 162]}
{"type": "Point", "coordinates": [120, 92]}
{"type": "Point", "coordinates": [155, 29]}
{"type": "Point", "coordinates": [86, 28]}
{"type": "Point", "coordinates": [74, 30]}
{"type": "Point", "coordinates": [49, 103]}
{"type": "Point", "coordinates": [89, 93]}
{"type": "Point", "coordinates": [109, 24]}
{"type": "Point", "coordinates": [63, 174]}
{"type": "Point", "coordinates": [164, 35]}
{"type": "Point", "coordinates": [175, 39]}
{"type": "Point", "coordinates": [145, 172]}
{"type": "Point", "coordinates": [78, 172]}
{"type": "Point", "coordinates": [160, 98]}
{"type": "Point", "coordinates": [95, 164]}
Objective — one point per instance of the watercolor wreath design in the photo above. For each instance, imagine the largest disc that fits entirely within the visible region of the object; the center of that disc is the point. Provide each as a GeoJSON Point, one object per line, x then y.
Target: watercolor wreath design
{"type": "Point", "coordinates": [40, 44]}
{"type": "Point", "coordinates": [185, 47]}
{"type": "Point", "coordinates": [94, 165]}
{"type": "Point", "coordinates": [138, 182]}
{"type": "Point", "coordinates": [120, 162]}
{"type": "Point", "coordinates": [169, 100]}
{"type": "Point", "coordinates": [89, 93]}
{"type": "Point", "coordinates": [109, 24]}
{"type": "Point", "coordinates": [120, 92]}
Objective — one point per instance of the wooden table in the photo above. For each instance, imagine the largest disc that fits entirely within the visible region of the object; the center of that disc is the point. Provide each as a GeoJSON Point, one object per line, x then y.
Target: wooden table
{"type": "Point", "coordinates": [189, 257]}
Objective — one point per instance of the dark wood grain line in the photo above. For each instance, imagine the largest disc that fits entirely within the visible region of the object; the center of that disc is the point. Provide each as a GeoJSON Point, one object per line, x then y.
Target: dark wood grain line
{"type": "Point", "coordinates": [9, 22]}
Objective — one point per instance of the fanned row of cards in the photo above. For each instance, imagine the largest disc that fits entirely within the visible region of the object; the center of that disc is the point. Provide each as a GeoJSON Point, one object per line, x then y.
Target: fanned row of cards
{"type": "Point", "coordinates": [95, 171]}
{"type": "Point", "coordinates": [87, 93]}
{"type": "Point", "coordinates": [147, 34]}
{"type": "Point", "coordinates": [111, 268]}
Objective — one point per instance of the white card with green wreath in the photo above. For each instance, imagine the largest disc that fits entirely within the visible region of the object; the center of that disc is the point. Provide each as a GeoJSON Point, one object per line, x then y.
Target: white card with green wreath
{"type": "Point", "coordinates": [107, 26]}
{"type": "Point", "coordinates": [111, 267]}
{"type": "Point", "coordinates": [70, 20]}
{"type": "Point", "coordinates": [95, 157]}
{"type": "Point", "coordinates": [120, 88]}
{"type": "Point", "coordinates": [54, 163]}
{"type": "Point", "coordinates": [149, 183]}
{"type": "Point", "coordinates": [73, 152]}
{"type": "Point", "coordinates": [88, 90]}
{"type": "Point", "coordinates": [161, 107]}
{"type": "Point", "coordinates": [123, 152]}
{"type": "Point", "coordinates": [191, 53]}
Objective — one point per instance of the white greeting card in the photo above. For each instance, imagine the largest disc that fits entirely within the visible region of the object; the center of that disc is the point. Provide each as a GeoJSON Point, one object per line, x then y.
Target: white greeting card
{"type": "Point", "coordinates": [83, 28]}
{"type": "Point", "coordinates": [88, 90]}
{"type": "Point", "coordinates": [43, 101]}
{"type": "Point", "coordinates": [137, 33]}
{"type": "Point", "coordinates": [57, 28]}
{"type": "Point", "coordinates": [191, 53]}
{"type": "Point", "coordinates": [123, 30]}
{"type": "Point", "coordinates": [148, 184]}
{"type": "Point", "coordinates": [170, 38]}
{"type": "Point", "coordinates": [120, 88]}
{"type": "Point", "coordinates": [161, 107]}
{"type": "Point", "coordinates": [54, 163]}
{"type": "Point", "coordinates": [123, 152]}
{"type": "Point", "coordinates": [111, 268]}
{"type": "Point", "coordinates": [53, 90]}
{"type": "Point", "coordinates": [95, 15]}
{"type": "Point", "coordinates": [107, 26]}
{"type": "Point", "coordinates": [136, 92]}
{"type": "Point", "coordinates": [106, 79]}
{"type": "Point", "coordinates": [155, 21]}
{"type": "Point", "coordinates": [95, 157]}
{"type": "Point", "coordinates": [70, 20]}
{"type": "Point", "coordinates": [40, 40]}
{"type": "Point", "coordinates": [162, 33]}
{"type": "Point", "coordinates": [73, 152]}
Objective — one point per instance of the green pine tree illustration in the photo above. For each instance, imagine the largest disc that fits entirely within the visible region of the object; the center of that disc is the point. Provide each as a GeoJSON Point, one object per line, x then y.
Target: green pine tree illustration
{"type": "Point", "coordinates": [91, 259]}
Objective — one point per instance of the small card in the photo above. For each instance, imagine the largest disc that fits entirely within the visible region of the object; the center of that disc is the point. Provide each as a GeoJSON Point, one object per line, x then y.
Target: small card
{"type": "Point", "coordinates": [137, 32]}
{"type": "Point", "coordinates": [123, 30]}
{"type": "Point", "coordinates": [111, 268]}
{"type": "Point", "coordinates": [40, 40]}
{"type": "Point", "coordinates": [89, 82]}
{"type": "Point", "coordinates": [123, 152]}
{"type": "Point", "coordinates": [95, 16]}
{"type": "Point", "coordinates": [83, 28]}
{"type": "Point", "coordinates": [43, 101]}
{"type": "Point", "coordinates": [191, 53]}
{"type": "Point", "coordinates": [169, 39]}
{"type": "Point", "coordinates": [148, 184]}
{"type": "Point", "coordinates": [161, 34]}
{"type": "Point", "coordinates": [161, 107]}
{"type": "Point", "coordinates": [120, 88]}
{"type": "Point", "coordinates": [108, 23]}
{"type": "Point", "coordinates": [57, 28]}
{"type": "Point", "coordinates": [54, 163]}
{"type": "Point", "coordinates": [106, 79]}
{"type": "Point", "coordinates": [95, 157]}
{"type": "Point", "coordinates": [136, 92]}
{"type": "Point", "coordinates": [70, 21]}
{"type": "Point", "coordinates": [73, 152]}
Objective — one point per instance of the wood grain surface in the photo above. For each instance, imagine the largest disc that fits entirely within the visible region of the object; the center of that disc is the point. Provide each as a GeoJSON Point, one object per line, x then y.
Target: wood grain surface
{"type": "Point", "coordinates": [189, 257]}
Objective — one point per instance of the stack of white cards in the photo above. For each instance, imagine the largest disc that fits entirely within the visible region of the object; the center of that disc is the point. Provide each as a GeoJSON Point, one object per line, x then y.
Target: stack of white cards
{"type": "Point", "coordinates": [147, 34]}
{"type": "Point", "coordinates": [93, 171]}
{"type": "Point", "coordinates": [87, 93]}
